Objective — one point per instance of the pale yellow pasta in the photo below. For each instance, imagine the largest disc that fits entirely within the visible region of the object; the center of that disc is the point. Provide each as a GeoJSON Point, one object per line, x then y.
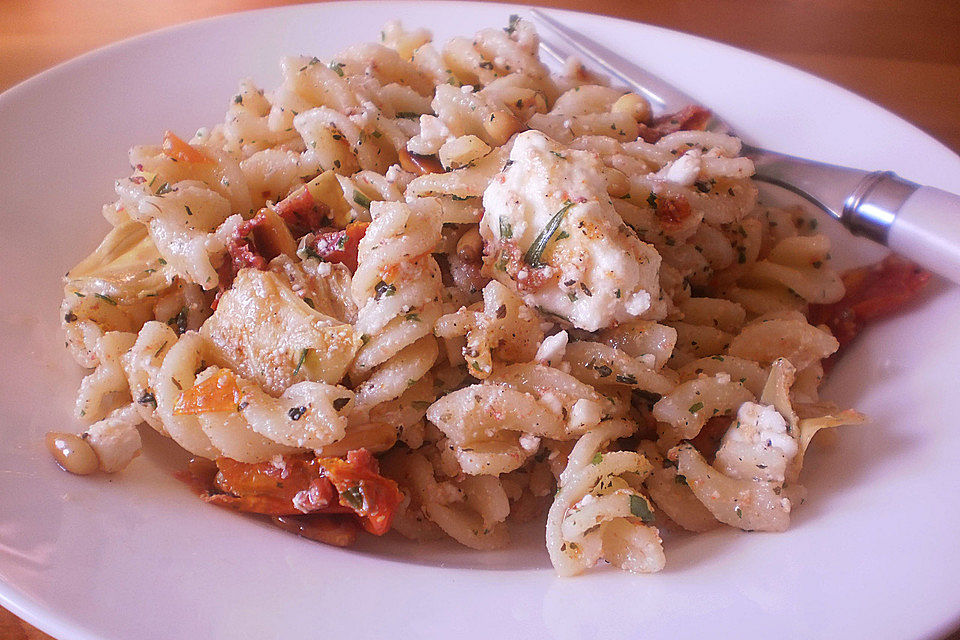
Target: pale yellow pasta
{"type": "Point", "coordinates": [507, 284]}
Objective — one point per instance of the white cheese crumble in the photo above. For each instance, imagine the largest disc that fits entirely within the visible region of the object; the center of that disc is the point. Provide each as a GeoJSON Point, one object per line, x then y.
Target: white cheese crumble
{"type": "Point", "coordinates": [763, 424]}
{"type": "Point", "coordinates": [529, 442]}
{"type": "Point", "coordinates": [593, 269]}
{"type": "Point", "coordinates": [552, 348]}
{"type": "Point", "coordinates": [585, 413]}
{"type": "Point", "coordinates": [433, 133]}
{"type": "Point", "coordinates": [684, 170]}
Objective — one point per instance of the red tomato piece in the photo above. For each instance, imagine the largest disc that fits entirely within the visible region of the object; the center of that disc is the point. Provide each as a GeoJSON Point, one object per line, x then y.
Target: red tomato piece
{"type": "Point", "coordinates": [217, 393]}
{"type": "Point", "coordinates": [364, 490]}
{"type": "Point", "coordinates": [179, 150]}
{"type": "Point", "coordinates": [872, 292]}
{"type": "Point", "coordinates": [690, 118]}
{"type": "Point", "coordinates": [341, 246]}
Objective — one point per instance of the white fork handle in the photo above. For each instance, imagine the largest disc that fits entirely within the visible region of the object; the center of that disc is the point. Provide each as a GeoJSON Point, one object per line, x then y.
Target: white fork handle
{"type": "Point", "coordinates": [926, 229]}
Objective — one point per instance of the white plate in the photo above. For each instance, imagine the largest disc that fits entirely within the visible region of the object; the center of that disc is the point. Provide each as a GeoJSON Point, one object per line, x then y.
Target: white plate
{"type": "Point", "coordinates": [873, 554]}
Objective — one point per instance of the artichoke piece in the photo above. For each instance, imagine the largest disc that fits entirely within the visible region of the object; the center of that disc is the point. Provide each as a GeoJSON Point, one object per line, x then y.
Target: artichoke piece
{"type": "Point", "coordinates": [125, 268]}
{"type": "Point", "coordinates": [265, 332]}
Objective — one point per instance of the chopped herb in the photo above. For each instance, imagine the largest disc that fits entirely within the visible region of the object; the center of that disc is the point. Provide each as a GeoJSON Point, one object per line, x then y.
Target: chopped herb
{"type": "Point", "coordinates": [512, 26]}
{"type": "Point", "coordinates": [148, 398]}
{"type": "Point", "coordinates": [617, 293]}
{"type": "Point", "coordinates": [303, 358]}
{"type": "Point", "coordinates": [627, 379]}
{"type": "Point", "coordinates": [189, 212]}
{"type": "Point", "coordinates": [164, 188]}
{"type": "Point", "coordinates": [238, 99]}
{"type": "Point", "coordinates": [559, 155]}
{"type": "Point", "coordinates": [337, 67]}
{"type": "Point", "coordinates": [361, 199]}
{"type": "Point", "coordinates": [353, 496]}
{"type": "Point", "coordinates": [106, 299]}
{"type": "Point", "coordinates": [535, 252]}
{"type": "Point", "coordinates": [603, 370]}
{"type": "Point", "coordinates": [696, 407]}
{"type": "Point", "coordinates": [410, 115]}
{"type": "Point", "coordinates": [179, 321]}
{"type": "Point", "coordinates": [340, 403]}
{"type": "Point", "coordinates": [486, 65]}
{"type": "Point", "coordinates": [652, 200]}
{"type": "Point", "coordinates": [506, 229]}
{"type": "Point", "coordinates": [640, 508]}
{"type": "Point", "coordinates": [364, 338]}
{"type": "Point", "coordinates": [680, 479]}
{"type": "Point", "coordinates": [476, 365]}
{"type": "Point", "coordinates": [162, 261]}
{"type": "Point", "coordinates": [415, 317]}
{"type": "Point", "coordinates": [383, 289]}
{"type": "Point", "coordinates": [738, 511]}
{"type": "Point", "coordinates": [597, 458]}
{"type": "Point", "coordinates": [296, 413]}
{"type": "Point", "coordinates": [461, 198]}
{"type": "Point", "coordinates": [79, 295]}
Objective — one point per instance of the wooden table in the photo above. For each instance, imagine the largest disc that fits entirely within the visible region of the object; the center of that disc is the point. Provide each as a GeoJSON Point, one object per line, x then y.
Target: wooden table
{"type": "Point", "coordinates": [904, 55]}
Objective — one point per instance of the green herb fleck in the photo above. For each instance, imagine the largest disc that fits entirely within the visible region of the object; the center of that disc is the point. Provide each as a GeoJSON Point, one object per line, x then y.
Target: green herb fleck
{"type": "Point", "coordinates": [696, 407]}
{"type": "Point", "coordinates": [640, 508]}
{"type": "Point", "coordinates": [353, 496]}
{"type": "Point", "coordinates": [106, 299]}
{"type": "Point", "coordinates": [337, 67]}
{"type": "Point", "coordinates": [303, 358]}
{"type": "Point", "coordinates": [506, 229]}
{"type": "Point", "coordinates": [361, 199]}
{"type": "Point", "coordinates": [535, 252]}
{"type": "Point", "coordinates": [597, 458]}
{"type": "Point", "coordinates": [383, 289]}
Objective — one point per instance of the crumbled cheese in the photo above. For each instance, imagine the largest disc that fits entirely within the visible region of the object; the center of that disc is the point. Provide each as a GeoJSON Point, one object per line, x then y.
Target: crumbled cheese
{"type": "Point", "coordinates": [552, 348]}
{"type": "Point", "coordinates": [594, 270]}
{"type": "Point", "coordinates": [638, 303]}
{"type": "Point", "coordinates": [529, 442]}
{"type": "Point", "coordinates": [433, 133]}
{"type": "Point", "coordinates": [684, 170]}
{"type": "Point", "coordinates": [763, 424]}
{"type": "Point", "coordinates": [585, 413]}
{"type": "Point", "coordinates": [552, 402]}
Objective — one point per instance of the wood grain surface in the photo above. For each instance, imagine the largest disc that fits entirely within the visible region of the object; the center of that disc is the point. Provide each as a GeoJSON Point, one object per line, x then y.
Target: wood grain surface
{"type": "Point", "coordinates": [902, 54]}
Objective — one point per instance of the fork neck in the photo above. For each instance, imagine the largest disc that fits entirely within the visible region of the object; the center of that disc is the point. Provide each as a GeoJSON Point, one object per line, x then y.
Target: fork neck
{"type": "Point", "coordinates": [865, 202]}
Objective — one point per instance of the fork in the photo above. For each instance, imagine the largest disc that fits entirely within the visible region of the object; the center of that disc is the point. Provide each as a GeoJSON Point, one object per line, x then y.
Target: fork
{"type": "Point", "coordinates": [919, 222]}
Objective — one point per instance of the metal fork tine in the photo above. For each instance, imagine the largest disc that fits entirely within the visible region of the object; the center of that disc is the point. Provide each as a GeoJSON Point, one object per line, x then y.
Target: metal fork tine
{"type": "Point", "coordinates": [664, 96]}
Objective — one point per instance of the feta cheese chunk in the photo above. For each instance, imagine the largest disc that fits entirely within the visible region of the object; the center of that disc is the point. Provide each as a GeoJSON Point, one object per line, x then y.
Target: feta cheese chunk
{"type": "Point", "coordinates": [558, 240]}
{"type": "Point", "coordinates": [684, 170]}
{"type": "Point", "coordinates": [757, 445]}
{"type": "Point", "coordinates": [552, 348]}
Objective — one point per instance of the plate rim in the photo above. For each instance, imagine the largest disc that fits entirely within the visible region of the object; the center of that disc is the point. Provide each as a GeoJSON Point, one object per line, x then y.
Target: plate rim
{"type": "Point", "coordinates": [58, 624]}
